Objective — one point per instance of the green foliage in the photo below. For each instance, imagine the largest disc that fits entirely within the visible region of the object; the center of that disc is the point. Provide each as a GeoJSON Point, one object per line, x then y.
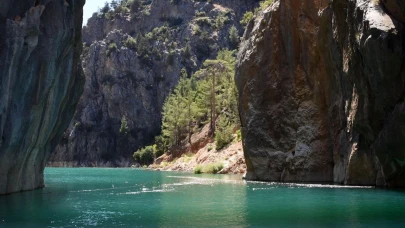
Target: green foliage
{"type": "Point", "coordinates": [203, 49]}
{"type": "Point", "coordinates": [143, 49]}
{"type": "Point", "coordinates": [223, 135]}
{"type": "Point", "coordinates": [124, 129]}
{"type": "Point", "coordinates": [249, 15]}
{"type": "Point", "coordinates": [209, 148]}
{"type": "Point", "coordinates": [266, 3]}
{"type": "Point", "coordinates": [157, 153]}
{"type": "Point", "coordinates": [198, 169]}
{"type": "Point", "coordinates": [221, 19]}
{"type": "Point", "coordinates": [161, 146]}
{"type": "Point", "coordinates": [200, 14]}
{"type": "Point", "coordinates": [209, 92]}
{"type": "Point", "coordinates": [108, 16]}
{"type": "Point", "coordinates": [106, 8]}
{"type": "Point", "coordinates": [234, 37]}
{"type": "Point", "coordinates": [239, 135]}
{"type": "Point", "coordinates": [204, 21]}
{"type": "Point", "coordinates": [212, 168]}
{"type": "Point", "coordinates": [160, 33]}
{"type": "Point", "coordinates": [130, 43]}
{"type": "Point", "coordinates": [114, 4]}
{"type": "Point", "coordinates": [134, 5]}
{"type": "Point", "coordinates": [179, 111]}
{"type": "Point", "coordinates": [197, 30]}
{"type": "Point", "coordinates": [246, 18]}
{"type": "Point", "coordinates": [112, 47]}
{"type": "Point", "coordinates": [187, 53]}
{"type": "Point", "coordinates": [144, 156]}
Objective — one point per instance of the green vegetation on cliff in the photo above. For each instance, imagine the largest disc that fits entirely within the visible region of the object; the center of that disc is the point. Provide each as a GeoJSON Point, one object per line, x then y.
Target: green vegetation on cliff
{"type": "Point", "coordinates": [210, 92]}
{"type": "Point", "coordinates": [208, 96]}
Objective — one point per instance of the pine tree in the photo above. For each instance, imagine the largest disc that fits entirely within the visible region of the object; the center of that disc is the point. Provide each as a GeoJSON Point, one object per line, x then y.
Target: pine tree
{"type": "Point", "coordinates": [106, 8]}
{"type": "Point", "coordinates": [233, 37]}
{"type": "Point", "coordinates": [208, 93]}
{"type": "Point", "coordinates": [114, 4]}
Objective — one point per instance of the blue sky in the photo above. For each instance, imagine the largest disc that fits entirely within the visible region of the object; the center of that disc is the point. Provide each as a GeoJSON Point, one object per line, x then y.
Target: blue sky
{"type": "Point", "coordinates": [90, 7]}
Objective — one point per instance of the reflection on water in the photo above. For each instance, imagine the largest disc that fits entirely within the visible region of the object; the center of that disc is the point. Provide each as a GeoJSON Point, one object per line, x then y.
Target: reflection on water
{"type": "Point", "coordinates": [138, 198]}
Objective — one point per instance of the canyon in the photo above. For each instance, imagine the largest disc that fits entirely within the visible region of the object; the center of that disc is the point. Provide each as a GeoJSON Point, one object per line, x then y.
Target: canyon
{"type": "Point", "coordinates": [321, 85]}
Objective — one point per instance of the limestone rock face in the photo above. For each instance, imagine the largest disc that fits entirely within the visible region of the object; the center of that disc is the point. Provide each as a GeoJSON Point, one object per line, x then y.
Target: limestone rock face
{"type": "Point", "coordinates": [131, 81]}
{"type": "Point", "coordinates": [322, 92]}
{"type": "Point", "coordinates": [40, 85]}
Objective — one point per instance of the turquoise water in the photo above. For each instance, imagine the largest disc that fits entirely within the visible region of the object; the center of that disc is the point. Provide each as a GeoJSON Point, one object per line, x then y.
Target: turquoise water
{"type": "Point", "coordinates": [86, 197]}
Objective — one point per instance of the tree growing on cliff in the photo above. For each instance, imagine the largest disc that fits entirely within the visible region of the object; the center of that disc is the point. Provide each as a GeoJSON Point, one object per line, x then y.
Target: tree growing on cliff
{"type": "Point", "coordinates": [106, 8]}
{"type": "Point", "coordinates": [180, 111]}
{"type": "Point", "coordinates": [208, 93]}
{"type": "Point", "coordinates": [124, 129]}
{"type": "Point", "coordinates": [234, 38]}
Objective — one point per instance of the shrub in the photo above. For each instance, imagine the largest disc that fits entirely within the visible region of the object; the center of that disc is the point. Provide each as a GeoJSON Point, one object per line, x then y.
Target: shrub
{"type": "Point", "coordinates": [130, 43]}
{"type": "Point", "coordinates": [108, 16]}
{"type": "Point", "coordinates": [246, 18]}
{"type": "Point", "coordinates": [124, 129]}
{"type": "Point", "coordinates": [161, 146]}
{"type": "Point", "coordinates": [197, 30]}
{"type": "Point", "coordinates": [198, 169]}
{"type": "Point", "coordinates": [200, 14]}
{"type": "Point", "coordinates": [239, 135]}
{"type": "Point", "coordinates": [209, 148]}
{"type": "Point", "coordinates": [223, 136]}
{"type": "Point", "coordinates": [221, 20]}
{"type": "Point", "coordinates": [187, 51]}
{"type": "Point", "coordinates": [265, 4]}
{"type": "Point", "coordinates": [112, 47]}
{"type": "Point", "coordinates": [204, 21]}
{"type": "Point", "coordinates": [233, 37]}
{"type": "Point", "coordinates": [213, 168]}
{"type": "Point", "coordinates": [210, 168]}
{"type": "Point", "coordinates": [144, 156]}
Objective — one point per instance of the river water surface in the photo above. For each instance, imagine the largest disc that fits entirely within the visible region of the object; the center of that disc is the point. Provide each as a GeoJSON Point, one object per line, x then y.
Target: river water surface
{"type": "Point", "coordinates": [93, 197]}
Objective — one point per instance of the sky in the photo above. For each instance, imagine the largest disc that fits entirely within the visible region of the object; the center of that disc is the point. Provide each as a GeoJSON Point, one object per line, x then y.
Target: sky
{"type": "Point", "coordinates": [90, 7]}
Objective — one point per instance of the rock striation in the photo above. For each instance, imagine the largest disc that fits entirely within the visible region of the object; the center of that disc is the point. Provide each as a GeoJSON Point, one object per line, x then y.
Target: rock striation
{"type": "Point", "coordinates": [132, 60]}
{"type": "Point", "coordinates": [40, 85]}
{"type": "Point", "coordinates": [322, 90]}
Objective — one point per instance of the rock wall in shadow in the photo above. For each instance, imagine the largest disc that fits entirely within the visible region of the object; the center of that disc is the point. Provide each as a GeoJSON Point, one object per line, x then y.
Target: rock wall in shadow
{"type": "Point", "coordinates": [40, 84]}
{"type": "Point", "coordinates": [322, 92]}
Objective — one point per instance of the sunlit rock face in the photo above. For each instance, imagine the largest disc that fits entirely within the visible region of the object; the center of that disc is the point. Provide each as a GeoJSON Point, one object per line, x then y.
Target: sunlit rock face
{"type": "Point", "coordinates": [40, 84]}
{"type": "Point", "coordinates": [322, 92]}
{"type": "Point", "coordinates": [131, 82]}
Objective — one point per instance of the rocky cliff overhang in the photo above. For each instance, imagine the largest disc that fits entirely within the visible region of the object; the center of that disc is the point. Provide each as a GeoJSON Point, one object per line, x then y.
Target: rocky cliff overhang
{"type": "Point", "coordinates": [40, 84]}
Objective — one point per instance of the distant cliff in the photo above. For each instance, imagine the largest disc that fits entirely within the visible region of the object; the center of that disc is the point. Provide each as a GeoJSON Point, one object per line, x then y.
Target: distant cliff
{"type": "Point", "coordinates": [322, 92]}
{"type": "Point", "coordinates": [133, 57]}
{"type": "Point", "coordinates": [40, 85]}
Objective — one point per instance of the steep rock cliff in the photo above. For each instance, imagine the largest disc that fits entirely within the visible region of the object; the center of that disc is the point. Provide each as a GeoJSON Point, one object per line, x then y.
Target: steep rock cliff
{"type": "Point", "coordinates": [40, 84]}
{"type": "Point", "coordinates": [132, 61]}
{"type": "Point", "coordinates": [322, 92]}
